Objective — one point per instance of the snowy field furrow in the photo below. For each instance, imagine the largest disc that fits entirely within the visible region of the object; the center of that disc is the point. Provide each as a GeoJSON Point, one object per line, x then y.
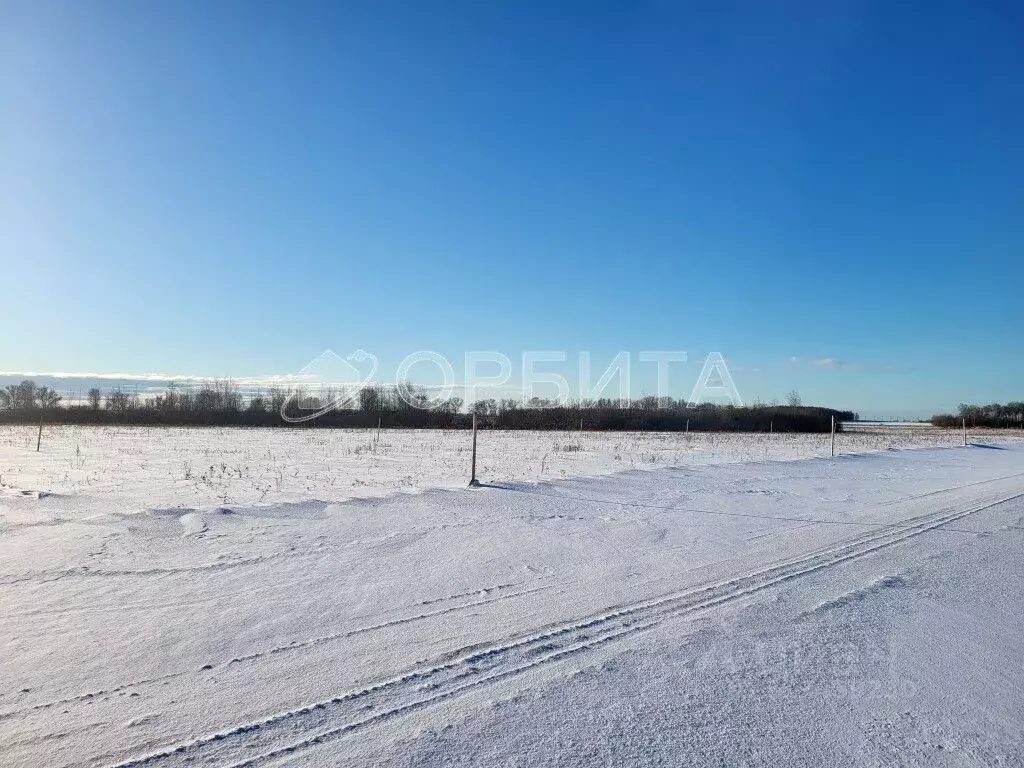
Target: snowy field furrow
{"type": "Point", "coordinates": [536, 620]}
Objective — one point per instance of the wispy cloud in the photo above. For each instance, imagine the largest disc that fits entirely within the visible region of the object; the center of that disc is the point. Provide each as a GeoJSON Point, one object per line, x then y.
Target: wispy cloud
{"type": "Point", "coordinates": [835, 364]}
{"type": "Point", "coordinates": [267, 380]}
{"type": "Point", "coordinates": [158, 381]}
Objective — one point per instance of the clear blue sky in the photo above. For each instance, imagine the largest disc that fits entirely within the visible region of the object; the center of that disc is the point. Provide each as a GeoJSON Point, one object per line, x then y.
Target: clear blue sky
{"type": "Point", "coordinates": [229, 188]}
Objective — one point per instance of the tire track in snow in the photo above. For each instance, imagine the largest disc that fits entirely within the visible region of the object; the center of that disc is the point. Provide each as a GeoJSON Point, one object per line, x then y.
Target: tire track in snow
{"type": "Point", "coordinates": [158, 606]}
{"type": "Point", "coordinates": [49, 576]}
{"type": "Point", "coordinates": [754, 516]}
{"type": "Point", "coordinates": [470, 669]}
{"type": "Point", "coordinates": [56, 574]}
{"type": "Point", "coordinates": [299, 645]}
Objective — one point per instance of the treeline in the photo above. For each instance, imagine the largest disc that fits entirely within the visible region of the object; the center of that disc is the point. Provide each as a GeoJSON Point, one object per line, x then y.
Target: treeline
{"type": "Point", "coordinates": [222, 404]}
{"type": "Point", "coordinates": [994, 415]}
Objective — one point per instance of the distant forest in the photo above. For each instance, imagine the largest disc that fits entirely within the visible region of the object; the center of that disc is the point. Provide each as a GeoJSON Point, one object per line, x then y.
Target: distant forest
{"type": "Point", "coordinates": [222, 404]}
{"type": "Point", "coordinates": [994, 415]}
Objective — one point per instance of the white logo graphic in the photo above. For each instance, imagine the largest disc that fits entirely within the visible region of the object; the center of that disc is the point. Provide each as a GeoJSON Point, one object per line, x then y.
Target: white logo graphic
{"type": "Point", "coordinates": [330, 382]}
{"type": "Point", "coordinates": [714, 381]}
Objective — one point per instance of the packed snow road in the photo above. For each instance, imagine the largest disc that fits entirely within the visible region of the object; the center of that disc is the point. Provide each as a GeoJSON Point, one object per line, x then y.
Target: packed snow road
{"type": "Point", "coordinates": [862, 610]}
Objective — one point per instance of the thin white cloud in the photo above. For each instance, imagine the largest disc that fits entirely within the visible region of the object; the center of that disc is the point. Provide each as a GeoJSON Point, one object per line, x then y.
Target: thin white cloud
{"type": "Point", "coordinates": [93, 375]}
{"type": "Point", "coordinates": [835, 364]}
{"type": "Point", "coordinates": [267, 380]}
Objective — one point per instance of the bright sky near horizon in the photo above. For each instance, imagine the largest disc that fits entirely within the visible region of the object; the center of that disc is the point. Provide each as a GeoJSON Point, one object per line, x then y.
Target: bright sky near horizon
{"type": "Point", "coordinates": [829, 194]}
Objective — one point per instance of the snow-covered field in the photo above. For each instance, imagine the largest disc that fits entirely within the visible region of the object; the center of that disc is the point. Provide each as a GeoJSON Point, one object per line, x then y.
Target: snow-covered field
{"type": "Point", "coordinates": [225, 597]}
{"type": "Point", "coordinates": [145, 467]}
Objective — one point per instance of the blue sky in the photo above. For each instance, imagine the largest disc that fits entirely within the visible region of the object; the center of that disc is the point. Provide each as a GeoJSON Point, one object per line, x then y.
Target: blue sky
{"type": "Point", "coordinates": [829, 194]}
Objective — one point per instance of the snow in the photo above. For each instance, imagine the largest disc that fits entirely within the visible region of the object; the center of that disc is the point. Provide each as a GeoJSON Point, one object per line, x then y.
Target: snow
{"type": "Point", "coordinates": [143, 467]}
{"type": "Point", "coordinates": [737, 599]}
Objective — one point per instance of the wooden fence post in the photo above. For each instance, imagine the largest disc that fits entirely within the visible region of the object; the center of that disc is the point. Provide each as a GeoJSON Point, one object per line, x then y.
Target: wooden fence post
{"type": "Point", "coordinates": [473, 482]}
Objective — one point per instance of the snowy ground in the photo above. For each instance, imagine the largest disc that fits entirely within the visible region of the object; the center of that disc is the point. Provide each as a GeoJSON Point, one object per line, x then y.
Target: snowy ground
{"type": "Point", "coordinates": [142, 467]}
{"type": "Point", "coordinates": [721, 610]}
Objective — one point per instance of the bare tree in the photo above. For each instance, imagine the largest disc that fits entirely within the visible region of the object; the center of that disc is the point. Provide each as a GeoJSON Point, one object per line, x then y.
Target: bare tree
{"type": "Point", "coordinates": [46, 397]}
{"type": "Point", "coordinates": [257, 405]}
{"type": "Point", "coordinates": [793, 399]}
{"type": "Point", "coordinates": [119, 401]}
{"type": "Point", "coordinates": [21, 396]}
{"type": "Point", "coordinates": [370, 399]}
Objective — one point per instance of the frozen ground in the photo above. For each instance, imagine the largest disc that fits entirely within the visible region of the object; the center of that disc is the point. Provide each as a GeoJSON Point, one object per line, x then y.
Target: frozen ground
{"type": "Point", "coordinates": [141, 467]}
{"type": "Point", "coordinates": [865, 610]}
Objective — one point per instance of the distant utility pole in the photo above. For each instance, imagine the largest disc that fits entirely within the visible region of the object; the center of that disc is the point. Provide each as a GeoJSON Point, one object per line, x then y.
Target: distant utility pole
{"type": "Point", "coordinates": [473, 482]}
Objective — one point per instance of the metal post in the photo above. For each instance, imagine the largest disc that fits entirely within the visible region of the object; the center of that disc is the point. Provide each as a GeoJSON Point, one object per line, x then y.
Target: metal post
{"type": "Point", "coordinates": [473, 482]}
{"type": "Point", "coordinates": [833, 436]}
{"type": "Point", "coordinates": [39, 439]}
{"type": "Point", "coordinates": [965, 429]}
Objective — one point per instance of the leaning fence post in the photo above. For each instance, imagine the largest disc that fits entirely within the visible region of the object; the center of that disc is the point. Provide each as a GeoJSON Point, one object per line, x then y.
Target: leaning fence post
{"type": "Point", "coordinates": [473, 482]}
{"type": "Point", "coordinates": [39, 439]}
{"type": "Point", "coordinates": [833, 436]}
